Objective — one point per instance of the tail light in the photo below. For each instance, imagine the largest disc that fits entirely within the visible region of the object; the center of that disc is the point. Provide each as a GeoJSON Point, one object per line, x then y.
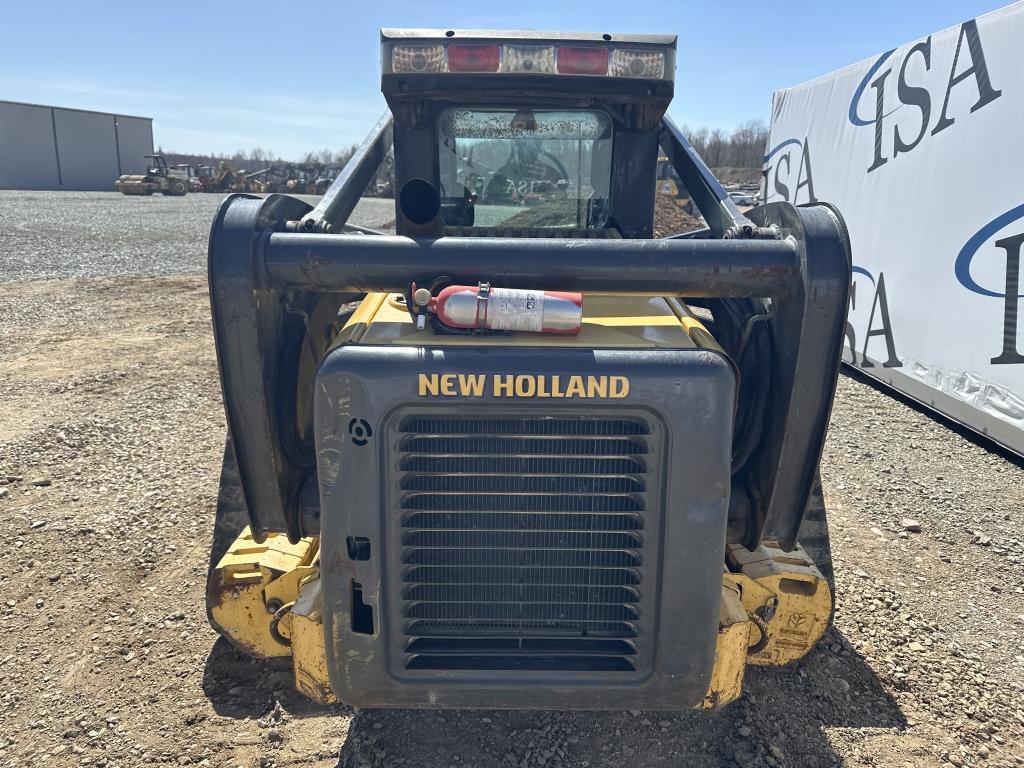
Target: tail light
{"type": "Point", "coordinates": [635, 63]}
{"type": "Point", "coordinates": [473, 58]}
{"type": "Point", "coordinates": [527, 59]}
{"type": "Point", "coordinates": [577, 60]}
{"type": "Point", "coordinates": [418, 58]}
{"type": "Point", "coordinates": [530, 59]}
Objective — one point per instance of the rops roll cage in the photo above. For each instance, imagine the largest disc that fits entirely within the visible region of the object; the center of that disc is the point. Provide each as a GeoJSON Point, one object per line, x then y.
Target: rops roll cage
{"type": "Point", "coordinates": [273, 262]}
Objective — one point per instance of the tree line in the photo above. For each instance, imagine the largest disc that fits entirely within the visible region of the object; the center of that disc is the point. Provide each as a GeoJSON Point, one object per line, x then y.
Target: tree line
{"type": "Point", "coordinates": [258, 158]}
{"type": "Point", "coordinates": [742, 148]}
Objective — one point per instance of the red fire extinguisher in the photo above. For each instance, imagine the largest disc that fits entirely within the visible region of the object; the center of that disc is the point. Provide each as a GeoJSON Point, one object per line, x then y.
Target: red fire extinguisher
{"type": "Point", "coordinates": [503, 309]}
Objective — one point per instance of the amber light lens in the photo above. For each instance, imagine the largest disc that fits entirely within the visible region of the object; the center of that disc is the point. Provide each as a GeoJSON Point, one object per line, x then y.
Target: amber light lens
{"type": "Point", "coordinates": [574, 60]}
{"type": "Point", "coordinates": [473, 58]}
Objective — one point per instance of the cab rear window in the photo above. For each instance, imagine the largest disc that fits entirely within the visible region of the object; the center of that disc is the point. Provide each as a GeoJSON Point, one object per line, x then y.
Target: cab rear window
{"type": "Point", "coordinates": [525, 168]}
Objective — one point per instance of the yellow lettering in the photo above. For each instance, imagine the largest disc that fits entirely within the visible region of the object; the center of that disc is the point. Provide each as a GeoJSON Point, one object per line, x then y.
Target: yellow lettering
{"type": "Point", "coordinates": [472, 385]}
{"type": "Point", "coordinates": [503, 385]}
{"type": "Point", "coordinates": [428, 384]}
{"type": "Point", "coordinates": [526, 386]}
{"type": "Point", "coordinates": [523, 385]}
{"type": "Point", "coordinates": [575, 388]}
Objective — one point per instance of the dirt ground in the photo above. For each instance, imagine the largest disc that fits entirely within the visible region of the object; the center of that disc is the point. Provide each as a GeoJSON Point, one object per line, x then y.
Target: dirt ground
{"type": "Point", "coordinates": [671, 218]}
{"type": "Point", "coordinates": [111, 433]}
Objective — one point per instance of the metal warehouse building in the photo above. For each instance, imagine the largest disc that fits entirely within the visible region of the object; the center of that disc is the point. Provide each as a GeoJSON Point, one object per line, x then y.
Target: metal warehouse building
{"type": "Point", "coordinates": [72, 149]}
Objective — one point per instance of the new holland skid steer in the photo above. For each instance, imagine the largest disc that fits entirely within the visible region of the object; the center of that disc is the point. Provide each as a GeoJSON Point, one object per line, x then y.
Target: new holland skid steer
{"type": "Point", "coordinates": [521, 454]}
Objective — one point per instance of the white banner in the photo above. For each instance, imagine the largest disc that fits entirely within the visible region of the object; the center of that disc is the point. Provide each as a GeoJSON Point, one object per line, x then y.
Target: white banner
{"type": "Point", "coordinates": [921, 150]}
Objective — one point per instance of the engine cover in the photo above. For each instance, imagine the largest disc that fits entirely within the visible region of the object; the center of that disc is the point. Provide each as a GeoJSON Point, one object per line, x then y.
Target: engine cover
{"type": "Point", "coordinates": [522, 527]}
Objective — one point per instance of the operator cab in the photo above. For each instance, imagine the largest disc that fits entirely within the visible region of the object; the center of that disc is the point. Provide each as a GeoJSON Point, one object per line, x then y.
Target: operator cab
{"type": "Point", "coordinates": [526, 134]}
{"type": "Point", "coordinates": [158, 167]}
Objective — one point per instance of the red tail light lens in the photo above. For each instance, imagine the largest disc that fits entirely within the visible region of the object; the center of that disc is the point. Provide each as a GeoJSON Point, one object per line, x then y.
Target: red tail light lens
{"type": "Point", "coordinates": [473, 58]}
{"type": "Point", "coordinates": [574, 60]}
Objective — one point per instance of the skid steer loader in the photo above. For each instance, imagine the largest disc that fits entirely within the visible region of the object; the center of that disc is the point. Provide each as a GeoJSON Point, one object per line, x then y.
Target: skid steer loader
{"type": "Point", "coordinates": [157, 178]}
{"type": "Point", "coordinates": [521, 454]}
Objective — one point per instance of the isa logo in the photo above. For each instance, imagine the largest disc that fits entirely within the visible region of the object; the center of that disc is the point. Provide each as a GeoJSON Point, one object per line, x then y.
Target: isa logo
{"type": "Point", "coordinates": [877, 325]}
{"type": "Point", "coordinates": [995, 249]}
{"type": "Point", "coordinates": [893, 88]}
{"type": "Point", "coordinates": [787, 173]}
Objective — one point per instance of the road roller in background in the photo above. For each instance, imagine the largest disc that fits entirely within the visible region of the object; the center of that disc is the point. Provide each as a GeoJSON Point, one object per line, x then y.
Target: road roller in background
{"type": "Point", "coordinates": [157, 178]}
{"type": "Point", "coordinates": [521, 453]}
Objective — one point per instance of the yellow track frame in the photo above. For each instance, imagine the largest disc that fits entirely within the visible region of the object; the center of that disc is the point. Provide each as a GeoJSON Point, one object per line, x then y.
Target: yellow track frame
{"type": "Point", "coordinates": [265, 599]}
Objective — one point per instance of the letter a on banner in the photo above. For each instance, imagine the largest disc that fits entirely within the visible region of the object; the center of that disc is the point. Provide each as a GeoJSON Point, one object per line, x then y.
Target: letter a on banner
{"type": "Point", "coordinates": [885, 329]}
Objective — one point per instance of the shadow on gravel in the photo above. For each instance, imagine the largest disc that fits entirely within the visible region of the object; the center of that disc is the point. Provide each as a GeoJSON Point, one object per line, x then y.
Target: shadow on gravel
{"type": "Point", "coordinates": [780, 721]}
{"type": "Point", "coordinates": [239, 686]}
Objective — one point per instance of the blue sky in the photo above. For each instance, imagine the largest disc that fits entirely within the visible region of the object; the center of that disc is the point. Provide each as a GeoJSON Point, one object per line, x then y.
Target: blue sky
{"type": "Point", "coordinates": [292, 77]}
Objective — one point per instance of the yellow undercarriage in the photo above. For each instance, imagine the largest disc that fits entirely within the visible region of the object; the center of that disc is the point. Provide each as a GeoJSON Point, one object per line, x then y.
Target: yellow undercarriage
{"type": "Point", "coordinates": [265, 598]}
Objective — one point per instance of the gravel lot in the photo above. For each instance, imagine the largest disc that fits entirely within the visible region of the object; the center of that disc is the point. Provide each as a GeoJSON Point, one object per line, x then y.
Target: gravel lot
{"type": "Point", "coordinates": [103, 234]}
{"type": "Point", "coordinates": [111, 432]}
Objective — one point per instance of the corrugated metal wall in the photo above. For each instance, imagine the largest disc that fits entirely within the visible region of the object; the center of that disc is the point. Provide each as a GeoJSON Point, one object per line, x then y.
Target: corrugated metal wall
{"type": "Point", "coordinates": [134, 141]}
{"type": "Point", "coordinates": [54, 148]}
{"type": "Point", "coordinates": [28, 159]}
{"type": "Point", "coordinates": [86, 149]}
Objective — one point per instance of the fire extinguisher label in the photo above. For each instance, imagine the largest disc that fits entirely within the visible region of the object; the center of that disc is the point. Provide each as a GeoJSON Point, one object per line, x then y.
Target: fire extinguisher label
{"type": "Point", "coordinates": [513, 309]}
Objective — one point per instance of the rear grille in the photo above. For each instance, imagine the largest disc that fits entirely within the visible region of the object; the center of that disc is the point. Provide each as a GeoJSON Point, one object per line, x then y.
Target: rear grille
{"type": "Point", "coordinates": [522, 541]}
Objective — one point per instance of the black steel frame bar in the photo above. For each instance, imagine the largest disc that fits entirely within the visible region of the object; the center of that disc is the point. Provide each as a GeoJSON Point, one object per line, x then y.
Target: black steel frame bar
{"type": "Point", "coordinates": [704, 268]}
{"type": "Point", "coordinates": [340, 200]}
{"type": "Point", "coordinates": [714, 203]}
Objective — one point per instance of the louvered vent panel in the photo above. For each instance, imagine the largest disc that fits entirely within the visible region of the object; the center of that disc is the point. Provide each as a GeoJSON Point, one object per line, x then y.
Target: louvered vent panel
{"type": "Point", "coordinates": [522, 541]}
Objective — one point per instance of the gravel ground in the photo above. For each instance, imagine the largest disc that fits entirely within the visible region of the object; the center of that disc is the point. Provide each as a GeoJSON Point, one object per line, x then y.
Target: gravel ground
{"type": "Point", "coordinates": [111, 432]}
{"type": "Point", "coordinates": [78, 234]}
